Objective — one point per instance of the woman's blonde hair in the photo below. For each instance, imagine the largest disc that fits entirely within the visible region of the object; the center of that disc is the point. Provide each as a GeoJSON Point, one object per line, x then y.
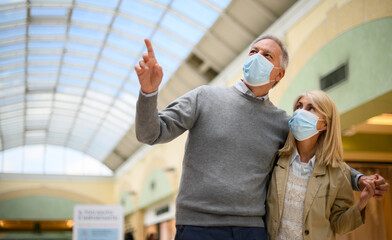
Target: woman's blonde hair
{"type": "Point", "coordinates": [329, 148]}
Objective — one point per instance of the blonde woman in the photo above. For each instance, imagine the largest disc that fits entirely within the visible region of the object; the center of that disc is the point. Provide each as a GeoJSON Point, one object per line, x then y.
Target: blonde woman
{"type": "Point", "coordinates": [310, 194]}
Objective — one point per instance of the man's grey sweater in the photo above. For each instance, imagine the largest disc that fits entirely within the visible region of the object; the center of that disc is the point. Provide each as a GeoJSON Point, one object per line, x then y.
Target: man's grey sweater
{"type": "Point", "coordinates": [228, 154]}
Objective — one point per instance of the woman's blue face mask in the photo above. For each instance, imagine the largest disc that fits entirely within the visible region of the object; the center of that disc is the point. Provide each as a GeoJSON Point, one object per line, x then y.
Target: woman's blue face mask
{"type": "Point", "coordinates": [303, 124]}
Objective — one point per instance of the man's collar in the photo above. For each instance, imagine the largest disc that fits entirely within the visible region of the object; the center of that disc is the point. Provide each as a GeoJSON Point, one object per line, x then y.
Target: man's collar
{"type": "Point", "coordinates": [241, 86]}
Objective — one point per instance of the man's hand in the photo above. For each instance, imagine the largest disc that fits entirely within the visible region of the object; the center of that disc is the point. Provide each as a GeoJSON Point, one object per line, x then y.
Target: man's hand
{"type": "Point", "coordinates": [381, 187]}
{"type": "Point", "coordinates": [148, 71]}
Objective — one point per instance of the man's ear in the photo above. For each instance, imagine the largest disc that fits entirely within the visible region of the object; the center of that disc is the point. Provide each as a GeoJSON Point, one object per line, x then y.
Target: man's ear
{"type": "Point", "coordinates": [280, 75]}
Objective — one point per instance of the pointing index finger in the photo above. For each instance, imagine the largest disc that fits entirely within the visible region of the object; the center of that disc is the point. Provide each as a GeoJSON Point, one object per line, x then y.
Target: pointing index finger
{"type": "Point", "coordinates": [150, 50]}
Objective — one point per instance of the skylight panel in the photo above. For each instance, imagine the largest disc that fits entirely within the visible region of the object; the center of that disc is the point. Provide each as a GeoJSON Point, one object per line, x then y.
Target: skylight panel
{"type": "Point", "coordinates": [116, 69]}
{"type": "Point", "coordinates": [170, 44]}
{"type": "Point", "coordinates": [81, 82]}
{"type": "Point", "coordinates": [12, 47]}
{"type": "Point", "coordinates": [39, 30]}
{"type": "Point", "coordinates": [70, 90]}
{"type": "Point", "coordinates": [166, 61]}
{"type": "Point", "coordinates": [54, 167]}
{"type": "Point", "coordinates": [132, 28]}
{"type": "Point", "coordinates": [87, 33]}
{"type": "Point", "coordinates": [46, 45]}
{"type": "Point", "coordinates": [10, 72]}
{"type": "Point", "coordinates": [33, 157]}
{"type": "Point", "coordinates": [196, 11]}
{"type": "Point", "coordinates": [106, 78]}
{"type": "Point", "coordinates": [45, 58]}
{"type": "Point", "coordinates": [43, 69]}
{"type": "Point", "coordinates": [74, 163]}
{"type": "Point", "coordinates": [12, 33]}
{"type": "Point", "coordinates": [6, 2]}
{"type": "Point", "coordinates": [183, 29]}
{"type": "Point", "coordinates": [103, 88]}
{"type": "Point", "coordinates": [141, 10]}
{"type": "Point", "coordinates": [81, 15]}
{"type": "Point", "coordinates": [98, 96]}
{"type": "Point", "coordinates": [109, 4]}
{"type": "Point", "coordinates": [76, 71]}
{"type": "Point", "coordinates": [11, 100]}
{"type": "Point", "coordinates": [220, 3]}
{"type": "Point", "coordinates": [11, 60]}
{"type": "Point", "coordinates": [79, 60]}
{"type": "Point", "coordinates": [125, 43]}
{"type": "Point", "coordinates": [82, 47]}
{"type": "Point", "coordinates": [120, 57]}
{"type": "Point", "coordinates": [13, 15]}
{"type": "Point", "coordinates": [132, 88]}
{"type": "Point", "coordinates": [48, 12]}
{"type": "Point", "coordinates": [13, 160]}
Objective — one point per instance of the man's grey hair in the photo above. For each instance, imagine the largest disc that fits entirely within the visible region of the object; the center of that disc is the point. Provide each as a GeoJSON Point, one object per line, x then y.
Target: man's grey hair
{"type": "Point", "coordinates": [284, 57]}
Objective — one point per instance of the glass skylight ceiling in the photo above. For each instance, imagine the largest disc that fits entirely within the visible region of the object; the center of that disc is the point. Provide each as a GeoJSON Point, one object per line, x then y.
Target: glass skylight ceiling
{"type": "Point", "coordinates": [67, 68]}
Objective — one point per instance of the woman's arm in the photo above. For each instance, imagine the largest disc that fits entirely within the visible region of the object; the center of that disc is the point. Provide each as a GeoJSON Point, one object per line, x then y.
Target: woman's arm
{"type": "Point", "coordinates": [345, 216]}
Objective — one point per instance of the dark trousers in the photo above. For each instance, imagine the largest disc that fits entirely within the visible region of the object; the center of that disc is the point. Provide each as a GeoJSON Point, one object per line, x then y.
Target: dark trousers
{"type": "Point", "coordinates": [220, 233]}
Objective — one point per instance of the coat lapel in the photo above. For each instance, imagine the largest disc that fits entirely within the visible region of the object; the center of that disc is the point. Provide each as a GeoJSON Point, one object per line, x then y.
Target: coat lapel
{"type": "Point", "coordinates": [282, 172]}
{"type": "Point", "coordinates": [313, 186]}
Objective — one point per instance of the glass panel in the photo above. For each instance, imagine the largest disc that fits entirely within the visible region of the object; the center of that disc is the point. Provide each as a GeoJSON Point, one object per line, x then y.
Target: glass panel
{"type": "Point", "coordinates": [13, 32]}
{"type": "Point", "coordinates": [103, 88]}
{"type": "Point", "coordinates": [74, 162]}
{"type": "Point", "coordinates": [182, 28]}
{"type": "Point", "coordinates": [99, 96]}
{"type": "Point", "coordinates": [12, 60]}
{"type": "Point", "coordinates": [48, 12]}
{"type": "Point", "coordinates": [11, 100]}
{"type": "Point", "coordinates": [125, 43]}
{"type": "Point", "coordinates": [166, 61]}
{"type": "Point", "coordinates": [141, 10]}
{"type": "Point", "coordinates": [45, 58]}
{"type": "Point", "coordinates": [19, 90]}
{"type": "Point", "coordinates": [86, 33]}
{"type": "Point", "coordinates": [106, 78]}
{"type": "Point", "coordinates": [70, 90]}
{"type": "Point", "coordinates": [196, 11]}
{"type": "Point", "coordinates": [76, 71]}
{"type": "Point", "coordinates": [5, 2]}
{"type": "Point", "coordinates": [42, 69]}
{"type": "Point", "coordinates": [54, 160]}
{"type": "Point", "coordinates": [12, 15]}
{"type": "Point", "coordinates": [91, 17]}
{"type": "Point", "coordinates": [111, 4]}
{"type": "Point", "coordinates": [33, 159]}
{"type": "Point", "coordinates": [116, 69]}
{"type": "Point", "coordinates": [82, 47]}
{"type": "Point", "coordinates": [45, 45]}
{"type": "Point", "coordinates": [119, 57]}
{"type": "Point", "coordinates": [79, 60]}
{"type": "Point", "coordinates": [220, 3]}
{"type": "Point", "coordinates": [13, 160]}
{"type": "Point", "coordinates": [170, 44]}
{"type": "Point", "coordinates": [39, 30]}
{"type": "Point", "coordinates": [12, 47]}
{"type": "Point", "coordinates": [132, 28]}
{"type": "Point", "coordinates": [74, 81]}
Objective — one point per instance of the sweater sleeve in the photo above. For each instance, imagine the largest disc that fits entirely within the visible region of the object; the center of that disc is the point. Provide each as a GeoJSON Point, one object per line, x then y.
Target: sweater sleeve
{"type": "Point", "coordinates": [345, 216]}
{"type": "Point", "coordinates": [153, 126]}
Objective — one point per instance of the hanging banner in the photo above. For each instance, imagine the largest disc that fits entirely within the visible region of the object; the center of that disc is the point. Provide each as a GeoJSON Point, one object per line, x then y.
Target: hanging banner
{"type": "Point", "coordinates": [98, 222]}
